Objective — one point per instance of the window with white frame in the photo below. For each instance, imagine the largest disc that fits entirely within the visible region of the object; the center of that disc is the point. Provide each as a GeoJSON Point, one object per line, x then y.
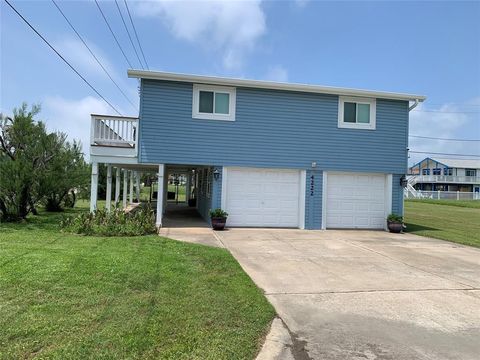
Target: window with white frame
{"type": "Point", "coordinates": [437, 171]}
{"type": "Point", "coordinates": [448, 171]}
{"type": "Point", "coordinates": [470, 172]}
{"type": "Point", "coordinates": [357, 113]}
{"type": "Point", "coordinates": [213, 102]}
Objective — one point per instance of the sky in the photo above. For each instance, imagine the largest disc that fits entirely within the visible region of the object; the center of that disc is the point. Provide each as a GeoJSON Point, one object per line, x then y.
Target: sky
{"type": "Point", "coordinates": [423, 47]}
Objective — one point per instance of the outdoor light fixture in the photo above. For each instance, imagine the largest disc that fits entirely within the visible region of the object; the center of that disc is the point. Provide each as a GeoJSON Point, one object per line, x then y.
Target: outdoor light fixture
{"type": "Point", "coordinates": [216, 174]}
{"type": "Point", "coordinates": [314, 164]}
{"type": "Point", "coordinates": [403, 181]}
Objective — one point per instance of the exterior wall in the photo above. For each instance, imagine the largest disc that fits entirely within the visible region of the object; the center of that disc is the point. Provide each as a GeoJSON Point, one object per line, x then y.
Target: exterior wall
{"type": "Point", "coordinates": [273, 129]}
{"type": "Point", "coordinates": [313, 199]}
{"type": "Point", "coordinates": [203, 201]}
{"type": "Point", "coordinates": [214, 201]}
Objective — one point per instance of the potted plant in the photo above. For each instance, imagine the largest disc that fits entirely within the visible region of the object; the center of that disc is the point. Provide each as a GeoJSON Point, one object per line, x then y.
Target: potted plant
{"type": "Point", "coordinates": [395, 223]}
{"type": "Point", "coordinates": [218, 218]}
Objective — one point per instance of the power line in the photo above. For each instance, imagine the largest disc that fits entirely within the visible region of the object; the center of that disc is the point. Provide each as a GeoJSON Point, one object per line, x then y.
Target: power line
{"type": "Point", "coordinates": [439, 138]}
{"type": "Point", "coordinates": [91, 52]}
{"type": "Point", "coordinates": [61, 57]}
{"type": "Point", "coordinates": [128, 33]}
{"type": "Point", "coordinates": [113, 34]}
{"type": "Point", "coordinates": [136, 35]}
{"type": "Point", "coordinates": [438, 153]}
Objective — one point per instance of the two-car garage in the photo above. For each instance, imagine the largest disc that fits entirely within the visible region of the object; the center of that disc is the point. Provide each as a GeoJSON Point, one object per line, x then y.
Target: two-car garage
{"type": "Point", "coordinates": [256, 197]}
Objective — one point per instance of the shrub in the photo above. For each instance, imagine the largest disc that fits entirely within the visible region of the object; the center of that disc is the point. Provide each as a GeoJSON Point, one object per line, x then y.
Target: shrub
{"type": "Point", "coordinates": [395, 218]}
{"type": "Point", "coordinates": [218, 213]}
{"type": "Point", "coordinates": [113, 223]}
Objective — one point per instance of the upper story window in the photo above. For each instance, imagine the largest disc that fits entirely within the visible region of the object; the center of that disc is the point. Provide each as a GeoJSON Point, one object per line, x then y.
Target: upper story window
{"type": "Point", "coordinates": [426, 172]}
{"type": "Point", "coordinates": [470, 172]}
{"type": "Point", "coordinates": [448, 171]}
{"type": "Point", "coordinates": [213, 102]}
{"type": "Point", "coordinates": [437, 171]}
{"type": "Point", "coordinates": [356, 113]}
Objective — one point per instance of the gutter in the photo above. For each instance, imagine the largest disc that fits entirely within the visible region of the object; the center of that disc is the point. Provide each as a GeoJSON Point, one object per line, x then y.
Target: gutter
{"type": "Point", "coordinates": [414, 105]}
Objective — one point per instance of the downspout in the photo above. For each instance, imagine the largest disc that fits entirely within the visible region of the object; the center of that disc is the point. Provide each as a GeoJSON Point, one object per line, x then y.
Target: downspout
{"type": "Point", "coordinates": [415, 104]}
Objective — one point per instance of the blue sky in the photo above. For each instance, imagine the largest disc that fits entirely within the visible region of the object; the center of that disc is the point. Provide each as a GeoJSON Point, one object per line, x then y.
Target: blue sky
{"type": "Point", "coordinates": [430, 48]}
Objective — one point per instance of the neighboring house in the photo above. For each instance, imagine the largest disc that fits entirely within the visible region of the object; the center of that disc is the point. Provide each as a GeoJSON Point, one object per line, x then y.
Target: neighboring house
{"type": "Point", "coordinates": [446, 175]}
{"type": "Point", "coordinates": [270, 154]}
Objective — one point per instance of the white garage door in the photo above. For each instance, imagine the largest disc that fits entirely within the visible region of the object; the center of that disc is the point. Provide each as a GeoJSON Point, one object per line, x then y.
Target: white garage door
{"type": "Point", "coordinates": [356, 201]}
{"type": "Point", "coordinates": [262, 197]}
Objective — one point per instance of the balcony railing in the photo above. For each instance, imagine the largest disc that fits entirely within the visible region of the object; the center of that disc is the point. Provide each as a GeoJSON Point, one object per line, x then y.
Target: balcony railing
{"type": "Point", "coordinates": [415, 179]}
{"type": "Point", "coordinates": [114, 131]}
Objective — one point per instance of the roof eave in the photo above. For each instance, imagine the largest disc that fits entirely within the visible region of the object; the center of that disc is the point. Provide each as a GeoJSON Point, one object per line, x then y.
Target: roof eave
{"type": "Point", "coordinates": [213, 80]}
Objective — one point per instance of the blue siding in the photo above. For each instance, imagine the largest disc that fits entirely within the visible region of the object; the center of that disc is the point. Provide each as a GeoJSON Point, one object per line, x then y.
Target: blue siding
{"type": "Point", "coordinates": [272, 129]}
{"type": "Point", "coordinates": [214, 201]}
{"type": "Point", "coordinates": [313, 199]}
{"type": "Point", "coordinates": [397, 195]}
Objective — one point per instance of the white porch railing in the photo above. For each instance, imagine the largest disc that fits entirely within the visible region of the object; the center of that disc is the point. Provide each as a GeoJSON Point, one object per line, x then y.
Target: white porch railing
{"type": "Point", "coordinates": [415, 179]}
{"type": "Point", "coordinates": [116, 131]}
{"type": "Point", "coordinates": [442, 195]}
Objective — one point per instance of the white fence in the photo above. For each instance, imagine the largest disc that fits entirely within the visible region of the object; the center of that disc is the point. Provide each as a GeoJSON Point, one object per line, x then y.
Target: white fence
{"type": "Point", "coordinates": [442, 195]}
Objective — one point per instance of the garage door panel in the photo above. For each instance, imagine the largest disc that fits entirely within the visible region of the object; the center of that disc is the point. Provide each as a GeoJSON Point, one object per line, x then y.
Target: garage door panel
{"type": "Point", "coordinates": [262, 197]}
{"type": "Point", "coordinates": [355, 200]}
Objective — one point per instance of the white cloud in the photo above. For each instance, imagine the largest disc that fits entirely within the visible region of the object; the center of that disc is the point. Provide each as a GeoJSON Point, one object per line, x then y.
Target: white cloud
{"type": "Point", "coordinates": [229, 27]}
{"type": "Point", "coordinates": [80, 57]}
{"type": "Point", "coordinates": [72, 116]}
{"type": "Point", "coordinates": [277, 73]}
{"type": "Point", "coordinates": [447, 121]}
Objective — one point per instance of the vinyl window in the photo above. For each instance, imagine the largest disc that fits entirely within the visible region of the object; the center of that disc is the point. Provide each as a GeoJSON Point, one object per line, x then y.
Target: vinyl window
{"type": "Point", "coordinates": [213, 102]}
{"type": "Point", "coordinates": [357, 113]}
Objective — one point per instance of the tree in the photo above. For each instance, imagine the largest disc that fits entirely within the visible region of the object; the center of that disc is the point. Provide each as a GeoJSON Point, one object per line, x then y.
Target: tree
{"type": "Point", "coordinates": [30, 163]}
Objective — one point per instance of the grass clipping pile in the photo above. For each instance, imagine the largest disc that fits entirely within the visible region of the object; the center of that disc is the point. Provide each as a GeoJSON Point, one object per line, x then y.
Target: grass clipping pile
{"type": "Point", "coordinates": [114, 223]}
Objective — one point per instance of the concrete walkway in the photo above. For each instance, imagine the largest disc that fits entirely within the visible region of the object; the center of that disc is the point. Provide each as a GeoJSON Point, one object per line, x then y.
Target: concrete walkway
{"type": "Point", "coordinates": [366, 294]}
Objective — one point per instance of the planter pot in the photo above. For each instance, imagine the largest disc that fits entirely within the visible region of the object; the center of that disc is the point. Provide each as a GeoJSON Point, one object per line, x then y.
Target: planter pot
{"type": "Point", "coordinates": [395, 227]}
{"type": "Point", "coordinates": [218, 223]}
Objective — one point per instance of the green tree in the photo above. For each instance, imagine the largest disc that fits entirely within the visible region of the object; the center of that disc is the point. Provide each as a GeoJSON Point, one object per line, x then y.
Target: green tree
{"type": "Point", "coordinates": [31, 160]}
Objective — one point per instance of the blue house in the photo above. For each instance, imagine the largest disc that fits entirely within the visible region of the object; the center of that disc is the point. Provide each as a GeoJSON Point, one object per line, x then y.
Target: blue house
{"type": "Point", "coordinates": [270, 154]}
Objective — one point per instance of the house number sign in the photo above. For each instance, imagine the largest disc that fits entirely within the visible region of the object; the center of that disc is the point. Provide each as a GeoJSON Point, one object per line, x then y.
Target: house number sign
{"type": "Point", "coordinates": [312, 185]}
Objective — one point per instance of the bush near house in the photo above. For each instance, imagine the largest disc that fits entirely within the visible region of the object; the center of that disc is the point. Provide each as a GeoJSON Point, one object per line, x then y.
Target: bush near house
{"type": "Point", "coordinates": [113, 223]}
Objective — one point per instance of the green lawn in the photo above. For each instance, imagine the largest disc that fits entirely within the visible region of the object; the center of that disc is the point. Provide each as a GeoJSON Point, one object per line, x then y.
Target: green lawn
{"type": "Point", "coordinates": [77, 297]}
{"type": "Point", "coordinates": [457, 221]}
{"type": "Point", "coordinates": [181, 192]}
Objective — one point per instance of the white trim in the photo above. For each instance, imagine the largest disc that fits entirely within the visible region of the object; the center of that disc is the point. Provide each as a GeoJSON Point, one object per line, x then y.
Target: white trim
{"type": "Point", "coordinates": [301, 202]}
{"type": "Point", "coordinates": [196, 114]}
{"type": "Point", "coordinates": [373, 113]}
{"type": "Point", "coordinates": [94, 187]}
{"type": "Point", "coordinates": [214, 80]}
{"type": "Point", "coordinates": [324, 200]}
{"type": "Point", "coordinates": [223, 201]}
{"type": "Point", "coordinates": [108, 197]}
{"type": "Point", "coordinates": [388, 197]}
{"type": "Point", "coordinates": [160, 194]}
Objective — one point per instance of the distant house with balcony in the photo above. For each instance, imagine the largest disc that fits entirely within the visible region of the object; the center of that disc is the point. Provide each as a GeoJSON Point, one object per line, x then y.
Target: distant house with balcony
{"type": "Point", "coordinates": [441, 174]}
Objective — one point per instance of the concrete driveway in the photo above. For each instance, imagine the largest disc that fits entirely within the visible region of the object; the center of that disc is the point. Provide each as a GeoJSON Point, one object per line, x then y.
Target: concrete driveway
{"type": "Point", "coordinates": [366, 294]}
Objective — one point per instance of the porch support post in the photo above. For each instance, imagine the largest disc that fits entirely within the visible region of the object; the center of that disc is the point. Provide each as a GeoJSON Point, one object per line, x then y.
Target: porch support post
{"type": "Point", "coordinates": [131, 187]}
{"type": "Point", "coordinates": [160, 190]}
{"type": "Point", "coordinates": [187, 188]}
{"type": "Point", "coordinates": [125, 190]}
{"type": "Point", "coordinates": [137, 185]}
{"type": "Point", "coordinates": [117, 187]}
{"type": "Point", "coordinates": [108, 198]}
{"type": "Point", "coordinates": [94, 187]}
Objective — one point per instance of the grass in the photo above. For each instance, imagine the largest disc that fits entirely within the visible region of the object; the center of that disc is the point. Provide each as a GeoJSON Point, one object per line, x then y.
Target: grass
{"type": "Point", "coordinates": [456, 221]}
{"type": "Point", "coordinates": [181, 192]}
{"type": "Point", "coordinates": [77, 297]}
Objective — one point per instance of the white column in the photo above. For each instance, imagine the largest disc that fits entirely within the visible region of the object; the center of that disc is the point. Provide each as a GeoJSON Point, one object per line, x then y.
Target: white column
{"type": "Point", "coordinates": [188, 185]}
{"type": "Point", "coordinates": [161, 185]}
{"type": "Point", "coordinates": [131, 187]}
{"type": "Point", "coordinates": [108, 197]}
{"type": "Point", "coordinates": [94, 187]}
{"type": "Point", "coordinates": [125, 190]}
{"type": "Point", "coordinates": [137, 185]}
{"type": "Point", "coordinates": [117, 187]}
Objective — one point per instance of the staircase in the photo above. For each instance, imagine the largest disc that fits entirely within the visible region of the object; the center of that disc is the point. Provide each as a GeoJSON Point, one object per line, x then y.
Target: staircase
{"type": "Point", "coordinates": [410, 192]}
